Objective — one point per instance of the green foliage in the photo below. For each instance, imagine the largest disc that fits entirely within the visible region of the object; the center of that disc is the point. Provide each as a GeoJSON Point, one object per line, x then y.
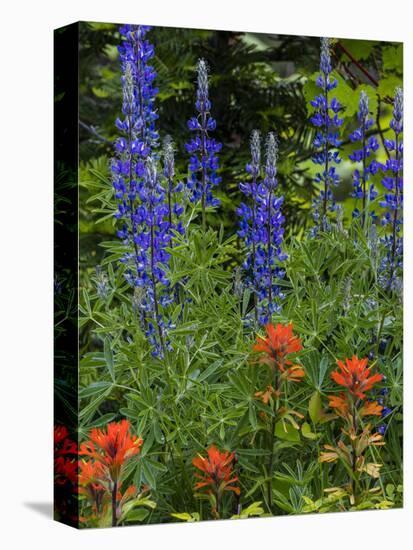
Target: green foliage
{"type": "Point", "coordinates": [204, 391]}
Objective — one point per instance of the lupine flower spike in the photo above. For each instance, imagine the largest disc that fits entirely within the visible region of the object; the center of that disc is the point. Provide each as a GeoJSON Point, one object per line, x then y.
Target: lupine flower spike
{"type": "Point", "coordinates": [203, 162]}
{"type": "Point", "coordinates": [392, 264]}
{"type": "Point", "coordinates": [326, 141]}
{"type": "Point", "coordinates": [249, 229]}
{"type": "Point", "coordinates": [363, 189]}
{"type": "Point", "coordinates": [269, 253]}
{"type": "Point", "coordinates": [138, 190]}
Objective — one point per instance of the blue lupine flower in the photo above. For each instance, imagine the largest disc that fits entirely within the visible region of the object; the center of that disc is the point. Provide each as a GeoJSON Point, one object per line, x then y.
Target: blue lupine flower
{"type": "Point", "coordinates": [151, 238]}
{"type": "Point", "coordinates": [203, 162]}
{"type": "Point", "coordinates": [136, 51]}
{"type": "Point", "coordinates": [249, 230]}
{"type": "Point", "coordinates": [392, 263]}
{"type": "Point", "coordinates": [386, 411]}
{"type": "Point", "coordinates": [269, 226]}
{"type": "Point", "coordinates": [362, 188]}
{"type": "Point", "coordinates": [327, 122]}
{"type": "Point", "coordinates": [142, 210]}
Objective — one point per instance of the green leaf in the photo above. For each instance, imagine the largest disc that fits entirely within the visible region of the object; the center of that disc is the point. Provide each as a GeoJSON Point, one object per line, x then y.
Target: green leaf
{"type": "Point", "coordinates": [245, 301]}
{"type": "Point", "coordinates": [252, 416]}
{"type": "Point", "coordinates": [286, 431]}
{"type": "Point", "coordinates": [99, 92]}
{"type": "Point", "coordinates": [108, 354]}
{"type": "Point", "coordinates": [149, 475]}
{"type": "Point", "coordinates": [185, 516]}
{"type": "Point", "coordinates": [307, 433]}
{"type": "Point", "coordinates": [94, 389]}
{"type": "Point", "coordinates": [137, 515]}
{"type": "Point", "coordinates": [359, 49]}
{"type": "Point", "coordinates": [210, 370]}
{"type": "Point", "coordinates": [348, 97]}
{"type": "Point", "coordinates": [315, 409]}
{"type": "Point", "coordinates": [310, 90]}
{"type": "Point", "coordinates": [388, 85]}
{"type": "Point", "coordinates": [254, 509]}
{"type": "Point", "coordinates": [393, 59]}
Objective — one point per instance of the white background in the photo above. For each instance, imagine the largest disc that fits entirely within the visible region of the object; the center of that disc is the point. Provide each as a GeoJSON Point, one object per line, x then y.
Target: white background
{"type": "Point", "coordinates": [26, 271]}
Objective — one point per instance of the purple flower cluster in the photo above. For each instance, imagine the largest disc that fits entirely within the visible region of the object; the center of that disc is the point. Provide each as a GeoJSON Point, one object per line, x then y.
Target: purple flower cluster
{"type": "Point", "coordinates": [140, 193]}
{"type": "Point", "coordinates": [326, 141]}
{"type": "Point", "coordinates": [392, 263]}
{"type": "Point", "coordinates": [261, 227]}
{"type": "Point", "coordinates": [369, 167]}
{"type": "Point", "coordinates": [249, 230]}
{"type": "Point", "coordinates": [386, 411]}
{"type": "Point", "coordinates": [203, 162]}
{"type": "Point", "coordinates": [135, 52]}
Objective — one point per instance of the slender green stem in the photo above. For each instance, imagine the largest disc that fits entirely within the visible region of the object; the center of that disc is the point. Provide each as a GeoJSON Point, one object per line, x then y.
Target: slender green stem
{"type": "Point", "coordinates": [272, 442]}
{"type": "Point", "coordinates": [114, 493]}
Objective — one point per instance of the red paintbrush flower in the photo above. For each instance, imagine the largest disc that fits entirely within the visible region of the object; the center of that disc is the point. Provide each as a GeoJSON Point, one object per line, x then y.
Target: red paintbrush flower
{"type": "Point", "coordinates": [65, 466]}
{"type": "Point", "coordinates": [91, 475]}
{"type": "Point", "coordinates": [279, 343]}
{"type": "Point", "coordinates": [112, 447]}
{"type": "Point", "coordinates": [356, 376]}
{"type": "Point", "coordinates": [65, 469]}
{"type": "Point", "coordinates": [217, 472]}
{"type": "Point", "coordinates": [62, 444]}
{"type": "Point", "coordinates": [60, 433]}
{"type": "Point", "coordinates": [340, 403]}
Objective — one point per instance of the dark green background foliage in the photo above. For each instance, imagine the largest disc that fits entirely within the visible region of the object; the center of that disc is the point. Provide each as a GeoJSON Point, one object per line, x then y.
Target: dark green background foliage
{"type": "Point", "coordinates": [203, 392]}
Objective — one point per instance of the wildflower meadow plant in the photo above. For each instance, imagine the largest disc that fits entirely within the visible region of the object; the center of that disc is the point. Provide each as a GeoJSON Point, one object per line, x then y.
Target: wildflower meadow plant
{"type": "Point", "coordinates": [269, 253]}
{"type": "Point", "coordinates": [275, 350]}
{"type": "Point", "coordinates": [392, 202]}
{"type": "Point", "coordinates": [203, 162]}
{"type": "Point", "coordinates": [363, 189]}
{"type": "Point", "coordinates": [327, 141]}
{"type": "Point", "coordinates": [144, 205]}
{"type": "Point", "coordinates": [249, 228]}
{"type": "Point", "coordinates": [107, 452]}
{"type": "Point", "coordinates": [216, 475]}
{"type": "Point", "coordinates": [357, 439]}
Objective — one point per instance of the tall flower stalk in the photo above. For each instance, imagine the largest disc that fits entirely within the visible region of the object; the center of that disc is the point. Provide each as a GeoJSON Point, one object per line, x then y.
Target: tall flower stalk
{"type": "Point", "coordinates": [203, 162]}
{"type": "Point", "coordinates": [137, 51]}
{"type": "Point", "coordinates": [326, 140]}
{"type": "Point", "coordinates": [152, 238]}
{"type": "Point", "coordinates": [392, 263]}
{"type": "Point", "coordinates": [108, 450]}
{"type": "Point", "coordinates": [175, 209]}
{"type": "Point", "coordinates": [140, 195]}
{"type": "Point", "coordinates": [352, 407]}
{"type": "Point", "coordinates": [216, 475]}
{"type": "Point", "coordinates": [269, 237]}
{"type": "Point", "coordinates": [275, 348]}
{"type": "Point", "coordinates": [363, 189]}
{"type": "Point", "coordinates": [249, 229]}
